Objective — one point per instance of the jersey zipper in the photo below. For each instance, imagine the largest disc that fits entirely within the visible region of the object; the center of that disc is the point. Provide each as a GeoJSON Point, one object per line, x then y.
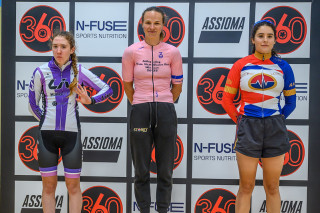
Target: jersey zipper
{"type": "Point", "coordinates": [60, 104]}
{"type": "Point", "coordinates": [263, 82]}
{"type": "Point", "coordinates": [152, 75]}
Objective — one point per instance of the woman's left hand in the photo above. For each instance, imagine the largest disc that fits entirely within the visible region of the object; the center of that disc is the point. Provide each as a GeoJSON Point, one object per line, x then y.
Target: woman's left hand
{"type": "Point", "coordinates": [82, 95]}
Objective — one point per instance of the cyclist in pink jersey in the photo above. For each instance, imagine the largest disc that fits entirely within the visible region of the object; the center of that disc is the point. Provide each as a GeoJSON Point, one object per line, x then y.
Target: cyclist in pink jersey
{"type": "Point", "coordinates": [261, 131]}
{"type": "Point", "coordinates": [152, 75]}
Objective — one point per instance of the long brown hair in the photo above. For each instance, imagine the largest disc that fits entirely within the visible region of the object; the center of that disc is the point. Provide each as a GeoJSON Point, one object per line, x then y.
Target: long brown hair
{"type": "Point", "coordinates": [69, 37]}
{"type": "Point", "coordinates": [156, 9]}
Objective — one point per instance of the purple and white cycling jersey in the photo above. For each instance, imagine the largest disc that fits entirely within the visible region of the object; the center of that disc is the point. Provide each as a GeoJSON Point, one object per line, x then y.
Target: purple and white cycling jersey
{"type": "Point", "coordinates": [60, 112]}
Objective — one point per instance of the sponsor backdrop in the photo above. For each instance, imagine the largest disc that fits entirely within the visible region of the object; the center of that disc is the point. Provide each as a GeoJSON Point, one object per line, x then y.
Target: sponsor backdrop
{"type": "Point", "coordinates": [211, 36]}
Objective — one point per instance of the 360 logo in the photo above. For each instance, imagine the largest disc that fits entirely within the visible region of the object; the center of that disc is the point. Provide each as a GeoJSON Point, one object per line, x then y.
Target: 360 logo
{"type": "Point", "coordinates": [210, 90]}
{"type": "Point", "coordinates": [178, 155]}
{"type": "Point", "coordinates": [37, 26]}
{"type": "Point", "coordinates": [101, 199]}
{"type": "Point", "coordinates": [27, 148]}
{"type": "Point", "coordinates": [294, 158]}
{"type": "Point", "coordinates": [112, 78]}
{"type": "Point", "coordinates": [291, 28]}
{"type": "Point", "coordinates": [216, 201]}
{"type": "Point", "coordinates": [174, 29]}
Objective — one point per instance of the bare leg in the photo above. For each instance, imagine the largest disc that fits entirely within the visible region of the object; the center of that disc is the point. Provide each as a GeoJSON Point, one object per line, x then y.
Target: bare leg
{"type": "Point", "coordinates": [49, 185]}
{"type": "Point", "coordinates": [272, 168]}
{"type": "Point", "coordinates": [75, 195]}
{"type": "Point", "coordinates": [247, 172]}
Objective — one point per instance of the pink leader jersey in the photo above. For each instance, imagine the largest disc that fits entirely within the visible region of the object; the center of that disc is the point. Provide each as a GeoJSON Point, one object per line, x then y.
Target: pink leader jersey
{"type": "Point", "coordinates": [152, 69]}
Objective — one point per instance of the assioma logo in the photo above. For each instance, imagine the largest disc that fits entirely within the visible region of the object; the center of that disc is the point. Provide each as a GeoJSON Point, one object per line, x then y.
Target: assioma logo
{"type": "Point", "coordinates": [294, 158]}
{"type": "Point", "coordinates": [101, 149]}
{"type": "Point", "coordinates": [173, 30]}
{"type": "Point", "coordinates": [27, 148]}
{"type": "Point", "coordinates": [33, 204]}
{"type": "Point", "coordinates": [178, 156]}
{"type": "Point", "coordinates": [37, 26]}
{"type": "Point", "coordinates": [291, 28]}
{"type": "Point", "coordinates": [216, 200]}
{"type": "Point", "coordinates": [287, 206]}
{"type": "Point", "coordinates": [101, 199]}
{"type": "Point", "coordinates": [222, 30]}
{"type": "Point", "coordinates": [210, 90]}
{"type": "Point", "coordinates": [113, 79]}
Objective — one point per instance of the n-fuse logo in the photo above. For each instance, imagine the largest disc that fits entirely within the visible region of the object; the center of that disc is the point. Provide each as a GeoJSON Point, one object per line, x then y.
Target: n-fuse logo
{"type": "Point", "coordinates": [37, 26]}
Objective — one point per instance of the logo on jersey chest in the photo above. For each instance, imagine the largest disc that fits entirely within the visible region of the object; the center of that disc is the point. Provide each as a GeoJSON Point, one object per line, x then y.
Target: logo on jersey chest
{"type": "Point", "coordinates": [60, 85]}
{"type": "Point", "coordinates": [262, 81]}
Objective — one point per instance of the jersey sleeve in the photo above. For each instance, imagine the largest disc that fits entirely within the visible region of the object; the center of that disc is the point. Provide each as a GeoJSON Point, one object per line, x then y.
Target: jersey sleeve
{"type": "Point", "coordinates": [289, 91]}
{"type": "Point", "coordinates": [230, 91]}
{"type": "Point", "coordinates": [176, 67]}
{"type": "Point", "coordinates": [35, 89]}
{"type": "Point", "coordinates": [127, 65]}
{"type": "Point", "coordinates": [87, 78]}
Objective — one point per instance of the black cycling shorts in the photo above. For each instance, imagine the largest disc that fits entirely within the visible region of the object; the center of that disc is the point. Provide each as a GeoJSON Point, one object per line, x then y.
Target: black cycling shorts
{"type": "Point", "coordinates": [52, 145]}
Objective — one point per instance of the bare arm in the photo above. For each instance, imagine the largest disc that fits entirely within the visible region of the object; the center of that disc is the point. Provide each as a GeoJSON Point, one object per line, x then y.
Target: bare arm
{"type": "Point", "coordinates": [129, 90]}
{"type": "Point", "coordinates": [176, 90]}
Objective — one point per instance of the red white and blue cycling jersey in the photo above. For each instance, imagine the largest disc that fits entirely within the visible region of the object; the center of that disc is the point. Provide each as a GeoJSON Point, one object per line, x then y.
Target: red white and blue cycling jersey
{"type": "Point", "coordinates": [60, 112]}
{"type": "Point", "coordinates": [261, 83]}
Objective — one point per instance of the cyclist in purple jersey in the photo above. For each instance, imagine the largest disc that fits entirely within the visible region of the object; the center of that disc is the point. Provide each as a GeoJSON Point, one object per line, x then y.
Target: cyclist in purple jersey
{"type": "Point", "coordinates": [60, 83]}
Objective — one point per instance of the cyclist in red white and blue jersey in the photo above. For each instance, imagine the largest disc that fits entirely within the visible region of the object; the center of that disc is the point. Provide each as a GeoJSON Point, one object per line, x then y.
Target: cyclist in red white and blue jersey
{"type": "Point", "coordinates": [261, 132]}
{"type": "Point", "coordinates": [60, 84]}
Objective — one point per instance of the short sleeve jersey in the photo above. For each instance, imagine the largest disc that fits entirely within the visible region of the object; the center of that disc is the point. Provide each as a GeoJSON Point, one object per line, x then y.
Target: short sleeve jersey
{"type": "Point", "coordinates": [152, 69]}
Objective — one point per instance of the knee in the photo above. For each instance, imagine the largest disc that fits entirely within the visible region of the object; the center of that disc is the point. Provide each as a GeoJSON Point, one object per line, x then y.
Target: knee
{"type": "Point", "coordinates": [271, 188]}
{"type": "Point", "coordinates": [73, 187]}
{"type": "Point", "coordinates": [246, 187]}
{"type": "Point", "coordinates": [49, 187]}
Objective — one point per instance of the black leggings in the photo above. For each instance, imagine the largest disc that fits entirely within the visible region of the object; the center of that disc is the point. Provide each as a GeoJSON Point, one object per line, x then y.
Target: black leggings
{"type": "Point", "coordinates": [153, 124]}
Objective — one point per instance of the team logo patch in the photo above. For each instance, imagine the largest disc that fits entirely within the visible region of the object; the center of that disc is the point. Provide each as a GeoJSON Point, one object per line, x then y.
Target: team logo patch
{"type": "Point", "coordinates": [173, 30]}
{"type": "Point", "coordinates": [294, 158]}
{"type": "Point", "coordinates": [262, 82]}
{"type": "Point", "coordinates": [291, 28]}
{"type": "Point", "coordinates": [101, 199]}
{"type": "Point", "coordinates": [210, 90]}
{"type": "Point", "coordinates": [27, 148]}
{"type": "Point", "coordinates": [37, 26]}
{"type": "Point", "coordinates": [178, 156]}
{"type": "Point", "coordinates": [216, 200]}
{"type": "Point", "coordinates": [113, 79]}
